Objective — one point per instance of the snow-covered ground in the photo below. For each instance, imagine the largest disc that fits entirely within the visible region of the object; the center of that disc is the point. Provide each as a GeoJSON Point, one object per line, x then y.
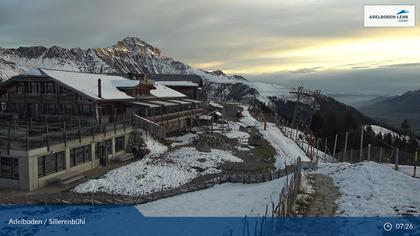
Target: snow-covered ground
{"type": "Point", "coordinates": [222, 200]}
{"type": "Point", "coordinates": [372, 189]}
{"type": "Point", "coordinates": [287, 150]}
{"type": "Point", "coordinates": [152, 175]}
{"type": "Point", "coordinates": [185, 139]}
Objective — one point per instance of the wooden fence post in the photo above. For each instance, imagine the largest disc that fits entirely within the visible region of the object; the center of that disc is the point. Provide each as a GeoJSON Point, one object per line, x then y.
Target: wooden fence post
{"type": "Point", "coordinates": [326, 146]}
{"type": "Point", "coordinates": [335, 145]}
{"type": "Point", "coordinates": [396, 158]}
{"type": "Point", "coordinates": [415, 164]}
{"type": "Point", "coordinates": [345, 146]}
{"type": "Point", "coordinates": [351, 155]}
{"type": "Point", "coordinates": [381, 150]}
{"type": "Point", "coordinates": [361, 146]}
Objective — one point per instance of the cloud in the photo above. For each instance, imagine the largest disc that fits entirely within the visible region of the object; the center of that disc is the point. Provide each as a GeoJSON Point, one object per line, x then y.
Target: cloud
{"type": "Point", "coordinates": [306, 70]}
{"type": "Point", "coordinates": [300, 37]}
{"type": "Point", "coordinates": [390, 80]}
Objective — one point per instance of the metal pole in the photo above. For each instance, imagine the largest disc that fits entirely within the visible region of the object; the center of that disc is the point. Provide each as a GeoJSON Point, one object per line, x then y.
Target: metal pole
{"type": "Point", "coordinates": [369, 152]}
{"type": "Point", "coordinates": [351, 155]}
{"type": "Point", "coordinates": [361, 146]}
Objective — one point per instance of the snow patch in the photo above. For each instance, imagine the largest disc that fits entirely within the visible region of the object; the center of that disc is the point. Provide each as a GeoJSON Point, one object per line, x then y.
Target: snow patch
{"type": "Point", "coordinates": [372, 189]}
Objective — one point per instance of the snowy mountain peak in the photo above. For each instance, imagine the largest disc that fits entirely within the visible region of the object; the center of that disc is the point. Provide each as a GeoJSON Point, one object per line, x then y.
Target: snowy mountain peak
{"type": "Point", "coordinates": [133, 44]}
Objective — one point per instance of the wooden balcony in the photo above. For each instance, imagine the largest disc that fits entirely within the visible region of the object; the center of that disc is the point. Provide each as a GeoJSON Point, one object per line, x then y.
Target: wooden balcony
{"type": "Point", "coordinates": [176, 115]}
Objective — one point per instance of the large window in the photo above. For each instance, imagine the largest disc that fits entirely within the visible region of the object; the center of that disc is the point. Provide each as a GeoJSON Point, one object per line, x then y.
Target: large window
{"type": "Point", "coordinates": [50, 88]}
{"type": "Point", "coordinates": [119, 144]}
{"type": "Point", "coordinates": [80, 155]}
{"type": "Point", "coordinates": [51, 163]}
{"type": "Point", "coordinates": [34, 88]}
{"type": "Point", "coordinates": [103, 148]}
{"type": "Point", "coordinates": [9, 168]}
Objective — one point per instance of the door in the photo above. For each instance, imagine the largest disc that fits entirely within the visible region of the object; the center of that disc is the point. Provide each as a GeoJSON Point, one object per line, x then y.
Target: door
{"type": "Point", "coordinates": [103, 155]}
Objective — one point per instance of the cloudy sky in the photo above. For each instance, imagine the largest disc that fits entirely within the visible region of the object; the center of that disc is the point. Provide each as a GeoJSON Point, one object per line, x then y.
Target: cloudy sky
{"type": "Point", "coordinates": [320, 43]}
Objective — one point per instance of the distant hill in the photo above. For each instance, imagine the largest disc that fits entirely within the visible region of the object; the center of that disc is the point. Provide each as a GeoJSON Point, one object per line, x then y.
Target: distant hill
{"type": "Point", "coordinates": [395, 109]}
{"type": "Point", "coordinates": [371, 101]}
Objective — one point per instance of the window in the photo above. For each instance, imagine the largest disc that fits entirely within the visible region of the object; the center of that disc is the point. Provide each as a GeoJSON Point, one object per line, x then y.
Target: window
{"type": "Point", "coordinates": [19, 89]}
{"type": "Point", "coordinates": [50, 88]}
{"type": "Point", "coordinates": [9, 168]}
{"type": "Point", "coordinates": [50, 108]}
{"type": "Point", "coordinates": [68, 108]}
{"type": "Point", "coordinates": [34, 88]}
{"type": "Point", "coordinates": [51, 163]}
{"type": "Point", "coordinates": [80, 155]}
{"type": "Point", "coordinates": [119, 144]}
{"type": "Point", "coordinates": [103, 149]}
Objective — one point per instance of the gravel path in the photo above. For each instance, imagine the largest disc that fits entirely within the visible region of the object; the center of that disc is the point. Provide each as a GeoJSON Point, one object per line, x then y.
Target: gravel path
{"type": "Point", "coordinates": [325, 196]}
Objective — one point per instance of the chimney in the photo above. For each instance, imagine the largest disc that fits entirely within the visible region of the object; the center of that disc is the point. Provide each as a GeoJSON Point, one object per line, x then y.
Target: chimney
{"type": "Point", "coordinates": [130, 75]}
{"type": "Point", "coordinates": [99, 88]}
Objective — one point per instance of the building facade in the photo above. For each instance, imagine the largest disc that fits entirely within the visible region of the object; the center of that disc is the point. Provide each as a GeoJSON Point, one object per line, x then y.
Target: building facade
{"type": "Point", "coordinates": [55, 125]}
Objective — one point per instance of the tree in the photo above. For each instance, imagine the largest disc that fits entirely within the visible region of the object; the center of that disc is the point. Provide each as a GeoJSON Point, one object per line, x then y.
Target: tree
{"type": "Point", "coordinates": [350, 122]}
{"type": "Point", "coordinates": [317, 123]}
{"type": "Point", "coordinates": [405, 127]}
{"type": "Point", "coordinates": [330, 124]}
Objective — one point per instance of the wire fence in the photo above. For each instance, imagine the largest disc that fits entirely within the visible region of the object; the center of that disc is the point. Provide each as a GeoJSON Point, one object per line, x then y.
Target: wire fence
{"type": "Point", "coordinates": [344, 147]}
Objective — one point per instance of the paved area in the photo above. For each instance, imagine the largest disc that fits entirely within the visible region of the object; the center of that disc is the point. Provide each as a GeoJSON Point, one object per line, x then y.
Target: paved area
{"type": "Point", "coordinates": [325, 196]}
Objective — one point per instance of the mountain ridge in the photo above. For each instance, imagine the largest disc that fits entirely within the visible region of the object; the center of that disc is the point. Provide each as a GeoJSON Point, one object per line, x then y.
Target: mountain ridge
{"type": "Point", "coordinates": [395, 109]}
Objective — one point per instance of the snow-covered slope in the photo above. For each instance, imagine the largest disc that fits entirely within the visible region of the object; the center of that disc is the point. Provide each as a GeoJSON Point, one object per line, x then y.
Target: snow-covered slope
{"type": "Point", "coordinates": [287, 151]}
{"type": "Point", "coordinates": [130, 55]}
{"type": "Point", "coordinates": [372, 189]}
{"type": "Point", "coordinates": [384, 131]}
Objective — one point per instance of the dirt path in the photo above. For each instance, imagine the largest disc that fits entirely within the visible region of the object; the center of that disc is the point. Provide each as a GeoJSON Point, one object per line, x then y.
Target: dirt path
{"type": "Point", "coordinates": [325, 196]}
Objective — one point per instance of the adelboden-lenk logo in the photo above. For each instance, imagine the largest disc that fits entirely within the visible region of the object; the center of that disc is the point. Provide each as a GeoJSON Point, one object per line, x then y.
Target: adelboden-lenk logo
{"type": "Point", "coordinates": [389, 16]}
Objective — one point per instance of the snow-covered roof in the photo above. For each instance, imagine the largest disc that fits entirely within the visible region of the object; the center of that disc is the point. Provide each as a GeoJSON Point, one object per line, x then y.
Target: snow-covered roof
{"type": "Point", "coordinates": [87, 83]}
{"type": "Point", "coordinates": [192, 100]}
{"type": "Point", "coordinates": [205, 117]}
{"type": "Point", "coordinates": [162, 91]}
{"type": "Point", "coordinates": [180, 101]}
{"type": "Point", "coordinates": [125, 83]}
{"type": "Point", "coordinates": [216, 105]}
{"type": "Point", "coordinates": [216, 113]}
{"type": "Point", "coordinates": [178, 83]}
